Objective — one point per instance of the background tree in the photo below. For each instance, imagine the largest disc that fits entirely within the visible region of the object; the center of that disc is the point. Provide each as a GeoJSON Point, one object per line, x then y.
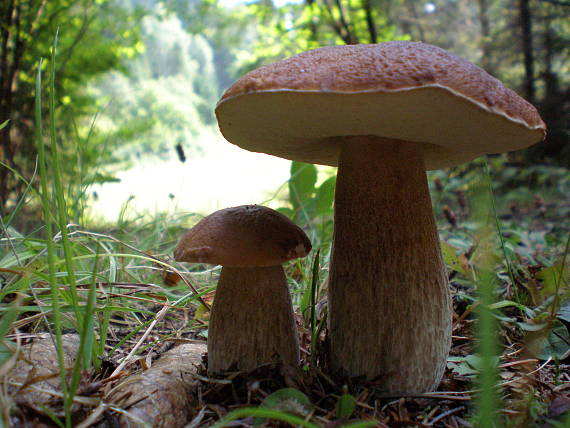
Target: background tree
{"type": "Point", "coordinates": [95, 35]}
{"type": "Point", "coordinates": [296, 27]}
{"type": "Point", "coordinates": [166, 96]}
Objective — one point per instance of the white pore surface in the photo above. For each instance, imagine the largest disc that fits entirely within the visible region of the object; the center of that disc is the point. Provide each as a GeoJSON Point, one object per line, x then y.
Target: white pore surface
{"type": "Point", "coordinates": [298, 125]}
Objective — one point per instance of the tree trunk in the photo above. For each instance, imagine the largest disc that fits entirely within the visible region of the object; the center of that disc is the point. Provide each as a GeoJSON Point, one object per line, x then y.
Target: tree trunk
{"type": "Point", "coordinates": [367, 6]}
{"type": "Point", "coordinates": [486, 51]}
{"type": "Point", "coordinates": [526, 39]}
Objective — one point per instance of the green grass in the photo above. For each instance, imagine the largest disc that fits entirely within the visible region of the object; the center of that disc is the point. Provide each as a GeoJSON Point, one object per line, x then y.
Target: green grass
{"type": "Point", "coordinates": [45, 197]}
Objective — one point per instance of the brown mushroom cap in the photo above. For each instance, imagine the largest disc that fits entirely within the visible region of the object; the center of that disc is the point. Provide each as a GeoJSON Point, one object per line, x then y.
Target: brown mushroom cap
{"type": "Point", "coordinates": [248, 235]}
{"type": "Point", "coordinates": [400, 90]}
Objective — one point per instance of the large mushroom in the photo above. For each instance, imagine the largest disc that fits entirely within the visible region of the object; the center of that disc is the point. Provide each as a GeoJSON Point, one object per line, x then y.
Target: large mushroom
{"type": "Point", "coordinates": [384, 114]}
{"type": "Point", "coordinates": [252, 319]}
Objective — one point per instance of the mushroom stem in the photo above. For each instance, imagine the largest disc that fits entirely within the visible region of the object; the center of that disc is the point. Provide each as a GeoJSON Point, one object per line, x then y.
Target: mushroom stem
{"type": "Point", "coordinates": [252, 320]}
{"type": "Point", "coordinates": [389, 302]}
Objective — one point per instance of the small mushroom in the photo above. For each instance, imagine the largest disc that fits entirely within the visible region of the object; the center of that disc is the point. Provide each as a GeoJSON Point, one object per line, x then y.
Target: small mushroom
{"type": "Point", "coordinates": [252, 319]}
{"type": "Point", "coordinates": [382, 113]}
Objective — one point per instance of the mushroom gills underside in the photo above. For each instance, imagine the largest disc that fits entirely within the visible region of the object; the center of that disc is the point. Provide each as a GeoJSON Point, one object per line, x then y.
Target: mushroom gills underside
{"type": "Point", "coordinates": [296, 125]}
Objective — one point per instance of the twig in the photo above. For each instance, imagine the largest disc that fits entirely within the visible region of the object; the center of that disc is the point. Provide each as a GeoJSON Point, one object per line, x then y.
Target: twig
{"type": "Point", "coordinates": [94, 416]}
{"type": "Point", "coordinates": [445, 414]}
{"type": "Point", "coordinates": [158, 318]}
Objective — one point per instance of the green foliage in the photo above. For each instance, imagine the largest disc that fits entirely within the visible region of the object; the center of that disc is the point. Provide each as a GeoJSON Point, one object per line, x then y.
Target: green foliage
{"type": "Point", "coordinates": [112, 37]}
{"type": "Point", "coordinates": [260, 412]}
{"type": "Point", "coordinates": [230, 32]}
{"type": "Point", "coordinates": [292, 406]}
{"type": "Point", "coordinates": [564, 312]}
{"type": "Point", "coordinates": [28, 29]}
{"type": "Point", "coordinates": [297, 27]}
{"type": "Point", "coordinates": [345, 406]}
{"type": "Point", "coordinates": [308, 306]}
{"type": "Point", "coordinates": [311, 205]}
{"type": "Point", "coordinates": [167, 95]}
{"type": "Point", "coordinates": [7, 320]}
{"type": "Point", "coordinates": [453, 259]}
{"type": "Point", "coordinates": [69, 266]}
{"type": "Point", "coordinates": [288, 400]}
{"type": "Point", "coordinates": [550, 341]}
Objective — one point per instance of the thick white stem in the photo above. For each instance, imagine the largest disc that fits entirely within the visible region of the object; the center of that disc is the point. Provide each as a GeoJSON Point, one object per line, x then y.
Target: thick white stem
{"type": "Point", "coordinates": [252, 320]}
{"type": "Point", "coordinates": [389, 303]}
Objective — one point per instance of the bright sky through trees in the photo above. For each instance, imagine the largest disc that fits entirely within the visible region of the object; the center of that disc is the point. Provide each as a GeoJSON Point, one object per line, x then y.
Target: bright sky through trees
{"type": "Point", "coordinates": [223, 176]}
{"type": "Point", "coordinates": [429, 7]}
{"type": "Point", "coordinates": [277, 3]}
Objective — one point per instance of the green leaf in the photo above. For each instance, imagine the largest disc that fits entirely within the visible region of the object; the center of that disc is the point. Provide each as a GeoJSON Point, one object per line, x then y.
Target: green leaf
{"type": "Point", "coordinates": [5, 352]}
{"type": "Point", "coordinates": [531, 327]}
{"type": "Point", "coordinates": [506, 304]}
{"type": "Point", "coordinates": [265, 414]}
{"type": "Point", "coordinates": [302, 184]}
{"type": "Point", "coordinates": [452, 260]}
{"type": "Point", "coordinates": [550, 342]}
{"type": "Point", "coordinates": [468, 365]}
{"type": "Point", "coordinates": [462, 369]}
{"type": "Point", "coordinates": [345, 406]}
{"type": "Point", "coordinates": [100, 179]}
{"type": "Point", "coordinates": [362, 424]}
{"type": "Point", "coordinates": [6, 322]}
{"type": "Point", "coordinates": [4, 124]}
{"type": "Point", "coordinates": [551, 279]}
{"type": "Point", "coordinates": [557, 343]}
{"type": "Point", "coordinates": [325, 197]}
{"type": "Point", "coordinates": [288, 400]}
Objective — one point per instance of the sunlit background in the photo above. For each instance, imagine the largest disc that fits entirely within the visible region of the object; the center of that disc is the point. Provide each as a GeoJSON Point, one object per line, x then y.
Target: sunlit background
{"type": "Point", "coordinates": [141, 97]}
{"type": "Point", "coordinates": [222, 175]}
{"type": "Point", "coordinates": [215, 174]}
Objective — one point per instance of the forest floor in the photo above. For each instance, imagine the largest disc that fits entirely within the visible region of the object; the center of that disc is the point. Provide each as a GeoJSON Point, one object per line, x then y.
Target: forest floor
{"type": "Point", "coordinates": [156, 370]}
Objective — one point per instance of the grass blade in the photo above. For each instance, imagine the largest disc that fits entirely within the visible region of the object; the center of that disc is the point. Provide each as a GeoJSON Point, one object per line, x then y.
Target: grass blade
{"type": "Point", "coordinates": [45, 199]}
{"type": "Point", "coordinates": [313, 306]}
{"type": "Point", "coordinates": [264, 413]}
{"type": "Point", "coordinates": [59, 192]}
{"type": "Point", "coordinates": [488, 401]}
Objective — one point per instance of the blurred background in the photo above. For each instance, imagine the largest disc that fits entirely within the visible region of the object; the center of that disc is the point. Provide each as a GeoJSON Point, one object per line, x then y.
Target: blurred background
{"type": "Point", "coordinates": [137, 82]}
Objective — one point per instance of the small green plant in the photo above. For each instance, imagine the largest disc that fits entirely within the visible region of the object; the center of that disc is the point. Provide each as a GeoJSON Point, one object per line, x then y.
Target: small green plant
{"type": "Point", "coordinates": [311, 206]}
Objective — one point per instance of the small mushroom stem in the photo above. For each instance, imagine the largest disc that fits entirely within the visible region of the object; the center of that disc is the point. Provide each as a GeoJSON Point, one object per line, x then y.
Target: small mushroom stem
{"type": "Point", "coordinates": [252, 320]}
{"type": "Point", "coordinates": [389, 302]}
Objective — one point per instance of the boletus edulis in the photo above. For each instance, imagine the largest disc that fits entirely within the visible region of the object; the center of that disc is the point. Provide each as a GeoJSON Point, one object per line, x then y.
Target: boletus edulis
{"type": "Point", "coordinates": [382, 113]}
{"type": "Point", "coordinates": [252, 321]}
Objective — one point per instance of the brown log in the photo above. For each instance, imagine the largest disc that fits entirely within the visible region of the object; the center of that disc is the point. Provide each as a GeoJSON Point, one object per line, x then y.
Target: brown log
{"type": "Point", "coordinates": [36, 372]}
{"type": "Point", "coordinates": [162, 395]}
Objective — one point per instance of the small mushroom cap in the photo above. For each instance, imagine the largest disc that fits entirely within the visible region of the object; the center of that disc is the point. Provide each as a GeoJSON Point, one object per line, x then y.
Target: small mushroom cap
{"type": "Point", "coordinates": [399, 90]}
{"type": "Point", "coordinates": [248, 235]}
